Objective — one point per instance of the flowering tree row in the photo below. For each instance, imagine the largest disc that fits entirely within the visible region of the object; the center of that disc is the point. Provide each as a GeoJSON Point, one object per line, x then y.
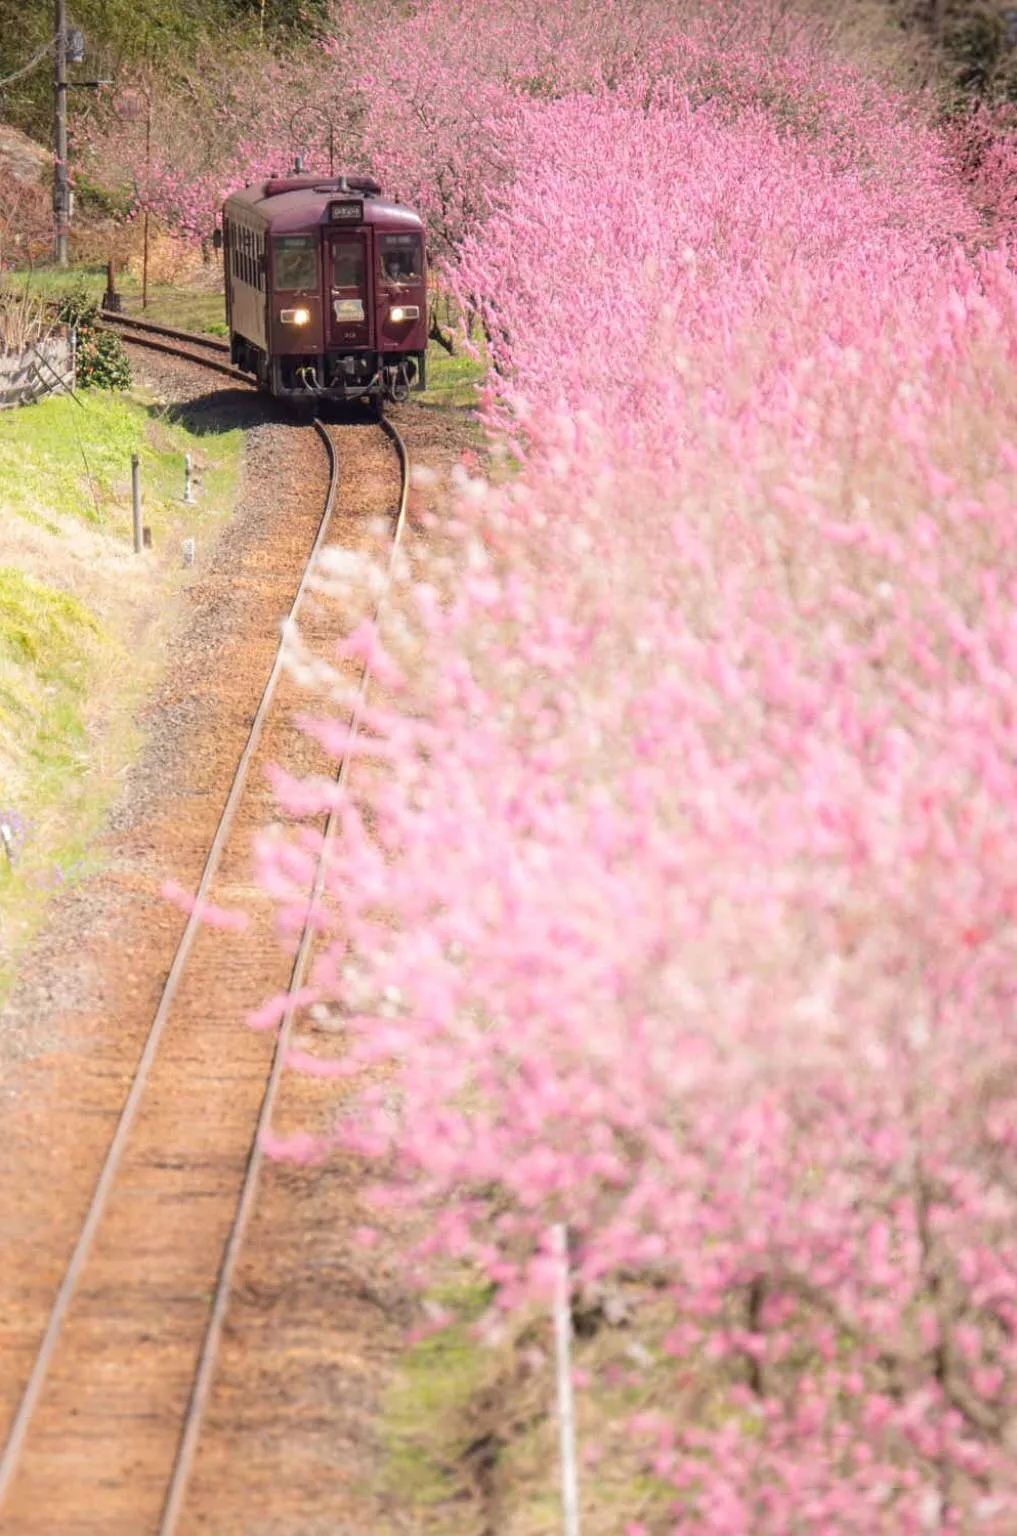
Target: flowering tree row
{"type": "Point", "coordinates": [674, 890]}
{"type": "Point", "coordinates": [385, 92]}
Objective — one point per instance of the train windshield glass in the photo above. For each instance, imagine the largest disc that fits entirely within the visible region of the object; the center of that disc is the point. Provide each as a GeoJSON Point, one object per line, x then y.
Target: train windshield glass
{"type": "Point", "coordinates": [401, 257]}
{"type": "Point", "coordinates": [348, 263]}
{"type": "Point", "coordinates": [296, 262]}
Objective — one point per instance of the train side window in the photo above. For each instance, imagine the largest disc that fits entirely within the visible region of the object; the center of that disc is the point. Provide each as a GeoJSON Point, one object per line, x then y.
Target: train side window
{"type": "Point", "coordinates": [296, 262]}
{"type": "Point", "coordinates": [401, 257]}
{"type": "Point", "coordinates": [348, 263]}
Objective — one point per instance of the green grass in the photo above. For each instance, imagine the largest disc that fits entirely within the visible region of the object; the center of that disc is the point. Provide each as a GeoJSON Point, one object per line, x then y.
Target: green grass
{"type": "Point", "coordinates": [189, 309]}
{"type": "Point", "coordinates": [39, 627]}
{"type": "Point", "coordinates": [79, 644]}
{"type": "Point", "coordinates": [47, 643]}
{"type": "Point", "coordinates": [50, 649]}
{"type": "Point", "coordinates": [451, 380]}
{"type": "Point", "coordinates": [60, 459]}
{"type": "Point", "coordinates": [426, 1415]}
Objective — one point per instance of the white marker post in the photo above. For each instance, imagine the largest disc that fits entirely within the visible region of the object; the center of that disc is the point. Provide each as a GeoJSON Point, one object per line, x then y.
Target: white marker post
{"type": "Point", "coordinates": [188, 492]}
{"type": "Point", "coordinates": [563, 1352]}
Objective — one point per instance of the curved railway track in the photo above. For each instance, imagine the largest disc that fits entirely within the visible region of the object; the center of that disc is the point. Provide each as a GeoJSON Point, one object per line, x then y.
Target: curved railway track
{"type": "Point", "coordinates": [110, 1418]}
{"type": "Point", "coordinates": [209, 351]}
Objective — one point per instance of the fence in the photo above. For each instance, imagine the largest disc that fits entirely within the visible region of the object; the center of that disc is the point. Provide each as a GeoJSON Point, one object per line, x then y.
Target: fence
{"type": "Point", "coordinates": [39, 370]}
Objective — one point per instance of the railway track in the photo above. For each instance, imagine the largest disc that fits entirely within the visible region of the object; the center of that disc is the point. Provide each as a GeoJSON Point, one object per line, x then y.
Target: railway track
{"type": "Point", "coordinates": [110, 1419]}
{"type": "Point", "coordinates": [209, 351]}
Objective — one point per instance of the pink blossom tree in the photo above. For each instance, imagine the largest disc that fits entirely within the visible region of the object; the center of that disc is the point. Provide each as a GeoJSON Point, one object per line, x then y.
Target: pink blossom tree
{"type": "Point", "coordinates": [673, 889]}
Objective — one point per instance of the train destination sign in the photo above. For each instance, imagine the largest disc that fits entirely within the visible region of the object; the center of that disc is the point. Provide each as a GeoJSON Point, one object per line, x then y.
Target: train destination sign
{"type": "Point", "coordinates": [346, 213]}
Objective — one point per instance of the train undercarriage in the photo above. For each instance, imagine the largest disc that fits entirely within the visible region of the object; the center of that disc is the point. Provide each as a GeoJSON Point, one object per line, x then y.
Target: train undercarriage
{"type": "Point", "coordinates": [335, 376]}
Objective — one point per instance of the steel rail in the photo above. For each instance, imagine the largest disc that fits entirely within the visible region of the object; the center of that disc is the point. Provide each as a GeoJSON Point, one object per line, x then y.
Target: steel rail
{"type": "Point", "coordinates": [176, 1492]}
{"type": "Point", "coordinates": [10, 1455]}
{"type": "Point", "coordinates": [193, 338]}
{"type": "Point", "coordinates": [162, 338]}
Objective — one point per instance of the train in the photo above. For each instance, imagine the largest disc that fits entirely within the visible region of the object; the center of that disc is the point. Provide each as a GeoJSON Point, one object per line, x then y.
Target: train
{"type": "Point", "coordinates": [326, 289]}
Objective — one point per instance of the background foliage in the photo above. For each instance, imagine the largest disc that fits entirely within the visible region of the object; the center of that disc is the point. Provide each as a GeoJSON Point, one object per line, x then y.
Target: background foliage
{"type": "Point", "coordinates": [167, 35]}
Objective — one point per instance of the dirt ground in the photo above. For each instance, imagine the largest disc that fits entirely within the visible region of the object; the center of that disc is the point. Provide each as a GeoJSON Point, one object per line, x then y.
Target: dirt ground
{"type": "Point", "coordinates": [291, 1443]}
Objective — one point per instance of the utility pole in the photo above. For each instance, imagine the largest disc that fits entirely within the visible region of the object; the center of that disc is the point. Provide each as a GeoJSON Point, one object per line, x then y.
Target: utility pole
{"type": "Point", "coordinates": [148, 185]}
{"type": "Point", "coordinates": [61, 184]}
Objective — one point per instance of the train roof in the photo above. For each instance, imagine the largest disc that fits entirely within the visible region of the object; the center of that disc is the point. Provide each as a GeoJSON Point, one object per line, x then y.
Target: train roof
{"type": "Point", "coordinates": [290, 203]}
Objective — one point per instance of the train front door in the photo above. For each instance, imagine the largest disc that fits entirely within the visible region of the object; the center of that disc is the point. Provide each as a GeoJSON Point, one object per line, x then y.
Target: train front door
{"type": "Point", "coordinates": [350, 325]}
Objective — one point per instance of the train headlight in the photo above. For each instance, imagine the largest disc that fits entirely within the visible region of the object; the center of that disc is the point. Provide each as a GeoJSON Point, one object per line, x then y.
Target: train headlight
{"type": "Point", "coordinates": [294, 316]}
{"type": "Point", "coordinates": [401, 312]}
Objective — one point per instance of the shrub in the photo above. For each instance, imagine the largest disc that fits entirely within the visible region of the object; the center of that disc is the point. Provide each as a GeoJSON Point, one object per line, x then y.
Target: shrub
{"type": "Point", "coordinates": [102, 362]}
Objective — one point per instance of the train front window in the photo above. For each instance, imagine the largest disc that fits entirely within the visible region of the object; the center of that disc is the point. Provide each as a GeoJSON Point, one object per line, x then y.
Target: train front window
{"type": "Point", "coordinates": [296, 262]}
{"type": "Point", "coordinates": [401, 257]}
{"type": "Point", "coordinates": [348, 263]}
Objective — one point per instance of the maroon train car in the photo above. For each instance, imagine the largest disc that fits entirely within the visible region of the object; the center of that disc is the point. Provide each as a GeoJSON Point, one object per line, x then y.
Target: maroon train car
{"type": "Point", "coordinates": [326, 288]}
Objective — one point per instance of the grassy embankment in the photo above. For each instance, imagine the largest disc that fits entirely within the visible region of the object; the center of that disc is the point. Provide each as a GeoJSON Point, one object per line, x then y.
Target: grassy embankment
{"type": "Point", "coordinates": [82, 619]}
{"type": "Point", "coordinates": [451, 381]}
{"type": "Point", "coordinates": [79, 613]}
{"type": "Point", "coordinates": [187, 306]}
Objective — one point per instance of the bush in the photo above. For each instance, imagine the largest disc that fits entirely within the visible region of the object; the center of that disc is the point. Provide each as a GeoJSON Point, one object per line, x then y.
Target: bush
{"type": "Point", "coordinates": [102, 362]}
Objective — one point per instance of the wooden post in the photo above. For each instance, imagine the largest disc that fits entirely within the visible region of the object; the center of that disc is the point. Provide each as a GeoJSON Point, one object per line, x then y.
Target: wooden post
{"type": "Point", "coordinates": [111, 299]}
{"type": "Point", "coordinates": [136, 500]}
